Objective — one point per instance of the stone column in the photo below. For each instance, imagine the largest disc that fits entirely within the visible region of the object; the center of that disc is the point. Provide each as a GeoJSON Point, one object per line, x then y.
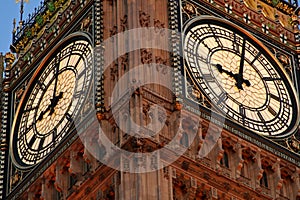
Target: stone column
{"type": "Point", "coordinates": [239, 160]}
{"type": "Point", "coordinates": [258, 170]}
{"type": "Point", "coordinates": [296, 179]}
{"type": "Point", "coordinates": [277, 177]}
{"type": "Point", "coordinates": [62, 176]}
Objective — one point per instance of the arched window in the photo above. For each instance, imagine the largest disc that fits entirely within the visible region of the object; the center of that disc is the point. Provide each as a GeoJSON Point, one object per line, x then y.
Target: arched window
{"type": "Point", "coordinates": [72, 182]}
{"type": "Point", "coordinates": [225, 161]}
{"type": "Point", "coordinates": [264, 180]}
{"type": "Point", "coordinates": [184, 140]}
{"type": "Point", "coordinates": [287, 188]}
{"type": "Point", "coordinates": [244, 170]}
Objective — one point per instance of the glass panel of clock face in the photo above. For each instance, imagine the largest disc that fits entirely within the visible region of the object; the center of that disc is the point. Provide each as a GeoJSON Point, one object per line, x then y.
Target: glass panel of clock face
{"type": "Point", "coordinates": [238, 76]}
{"type": "Point", "coordinates": [53, 100]}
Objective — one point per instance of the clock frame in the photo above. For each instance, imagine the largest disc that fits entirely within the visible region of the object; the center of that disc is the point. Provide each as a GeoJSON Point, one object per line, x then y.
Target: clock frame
{"type": "Point", "coordinates": [240, 77]}
{"type": "Point", "coordinates": [51, 101]}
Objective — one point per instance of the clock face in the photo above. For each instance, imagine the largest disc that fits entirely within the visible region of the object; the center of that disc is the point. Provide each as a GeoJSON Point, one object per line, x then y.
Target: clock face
{"type": "Point", "coordinates": [51, 101]}
{"type": "Point", "coordinates": [240, 77]}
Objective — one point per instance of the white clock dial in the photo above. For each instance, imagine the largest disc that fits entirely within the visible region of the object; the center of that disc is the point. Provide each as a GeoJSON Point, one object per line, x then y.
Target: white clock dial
{"type": "Point", "coordinates": [240, 76]}
{"type": "Point", "coordinates": [51, 101]}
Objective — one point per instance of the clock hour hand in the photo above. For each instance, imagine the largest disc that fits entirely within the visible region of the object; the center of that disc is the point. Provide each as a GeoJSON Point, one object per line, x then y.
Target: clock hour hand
{"type": "Point", "coordinates": [41, 116]}
{"type": "Point", "coordinates": [54, 102]}
{"type": "Point", "coordinates": [235, 76]}
{"type": "Point", "coordinates": [50, 107]}
{"type": "Point", "coordinates": [221, 70]}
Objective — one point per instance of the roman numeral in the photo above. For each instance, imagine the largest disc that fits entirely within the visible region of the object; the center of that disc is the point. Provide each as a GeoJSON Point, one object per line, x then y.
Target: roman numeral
{"type": "Point", "coordinates": [222, 97]}
{"type": "Point", "coordinates": [78, 94]}
{"type": "Point", "coordinates": [255, 58]}
{"type": "Point", "coordinates": [69, 117]}
{"type": "Point", "coordinates": [81, 75]}
{"type": "Point", "coordinates": [195, 35]}
{"type": "Point", "coordinates": [235, 44]}
{"type": "Point", "coordinates": [41, 144]}
{"type": "Point", "coordinates": [271, 79]}
{"type": "Point", "coordinates": [272, 111]}
{"type": "Point", "coordinates": [198, 56]}
{"type": "Point", "coordinates": [29, 128]}
{"type": "Point", "coordinates": [217, 39]}
{"type": "Point", "coordinates": [32, 141]}
{"type": "Point", "coordinates": [54, 135]}
{"type": "Point", "coordinates": [42, 85]}
{"type": "Point", "coordinates": [204, 44]}
{"type": "Point", "coordinates": [242, 111]}
{"type": "Point", "coordinates": [260, 116]}
{"type": "Point", "coordinates": [208, 77]}
{"type": "Point", "coordinates": [275, 97]}
{"type": "Point", "coordinates": [56, 68]}
{"type": "Point", "coordinates": [30, 109]}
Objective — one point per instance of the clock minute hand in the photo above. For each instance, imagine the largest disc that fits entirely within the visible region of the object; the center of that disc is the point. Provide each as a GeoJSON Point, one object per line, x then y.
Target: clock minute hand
{"type": "Point", "coordinates": [56, 77]}
{"type": "Point", "coordinates": [240, 80]}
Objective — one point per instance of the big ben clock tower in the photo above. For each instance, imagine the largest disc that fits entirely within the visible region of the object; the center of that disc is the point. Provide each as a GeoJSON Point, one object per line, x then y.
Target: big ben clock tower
{"type": "Point", "coordinates": [170, 99]}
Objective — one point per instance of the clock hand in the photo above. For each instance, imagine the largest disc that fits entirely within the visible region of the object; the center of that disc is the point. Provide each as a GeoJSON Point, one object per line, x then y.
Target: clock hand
{"type": "Point", "coordinates": [56, 77]}
{"type": "Point", "coordinates": [50, 107]}
{"type": "Point", "coordinates": [55, 98]}
{"type": "Point", "coordinates": [240, 79]}
{"type": "Point", "coordinates": [41, 116]}
{"type": "Point", "coordinates": [230, 74]}
{"type": "Point", "coordinates": [221, 70]}
{"type": "Point", "coordinates": [54, 102]}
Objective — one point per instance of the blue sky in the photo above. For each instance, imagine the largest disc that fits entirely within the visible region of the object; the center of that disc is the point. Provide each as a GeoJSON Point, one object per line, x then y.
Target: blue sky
{"type": "Point", "coordinates": [9, 10]}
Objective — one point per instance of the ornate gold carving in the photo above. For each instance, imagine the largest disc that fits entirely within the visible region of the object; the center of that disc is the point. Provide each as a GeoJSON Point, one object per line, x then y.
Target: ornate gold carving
{"type": "Point", "coordinates": [280, 5]}
{"type": "Point", "coordinates": [283, 59]}
{"type": "Point", "coordinates": [9, 59]}
{"type": "Point", "coordinates": [15, 178]}
{"type": "Point", "coordinates": [189, 9]}
{"type": "Point", "coordinates": [36, 24]}
{"type": "Point", "coordinates": [19, 93]}
{"type": "Point", "coordinates": [294, 144]}
{"type": "Point", "coordinates": [85, 24]}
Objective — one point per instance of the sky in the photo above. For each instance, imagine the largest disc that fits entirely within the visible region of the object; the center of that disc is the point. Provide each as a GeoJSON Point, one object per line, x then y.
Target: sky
{"type": "Point", "coordinates": [8, 11]}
